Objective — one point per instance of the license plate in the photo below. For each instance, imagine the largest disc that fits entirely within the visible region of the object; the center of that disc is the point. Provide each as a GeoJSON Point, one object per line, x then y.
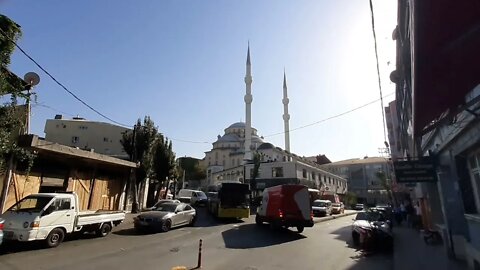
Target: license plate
{"type": "Point", "coordinates": [8, 234]}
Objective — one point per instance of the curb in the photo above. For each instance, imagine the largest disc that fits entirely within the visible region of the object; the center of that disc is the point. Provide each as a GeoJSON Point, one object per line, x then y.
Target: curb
{"type": "Point", "coordinates": [333, 217]}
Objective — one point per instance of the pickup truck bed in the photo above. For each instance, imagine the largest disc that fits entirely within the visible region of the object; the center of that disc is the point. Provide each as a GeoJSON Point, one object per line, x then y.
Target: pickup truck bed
{"type": "Point", "coordinates": [91, 217]}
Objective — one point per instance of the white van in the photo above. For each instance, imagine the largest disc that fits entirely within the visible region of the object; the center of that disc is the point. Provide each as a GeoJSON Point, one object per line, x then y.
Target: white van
{"type": "Point", "coordinates": [194, 197]}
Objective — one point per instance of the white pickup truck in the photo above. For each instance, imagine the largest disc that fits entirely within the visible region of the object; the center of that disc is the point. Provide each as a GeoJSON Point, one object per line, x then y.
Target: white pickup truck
{"type": "Point", "coordinates": [50, 216]}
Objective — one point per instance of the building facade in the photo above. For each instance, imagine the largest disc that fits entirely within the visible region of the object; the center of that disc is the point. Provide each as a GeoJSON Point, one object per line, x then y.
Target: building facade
{"type": "Point", "coordinates": [437, 99]}
{"type": "Point", "coordinates": [362, 178]}
{"type": "Point", "coordinates": [102, 138]}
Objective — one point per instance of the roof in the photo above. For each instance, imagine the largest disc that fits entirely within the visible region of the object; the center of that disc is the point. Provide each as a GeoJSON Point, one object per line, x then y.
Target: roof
{"type": "Point", "coordinates": [64, 152]}
{"type": "Point", "coordinates": [237, 125]}
{"type": "Point", "coordinates": [368, 160]}
{"type": "Point", "coordinates": [265, 146]}
{"type": "Point", "coordinates": [229, 138]}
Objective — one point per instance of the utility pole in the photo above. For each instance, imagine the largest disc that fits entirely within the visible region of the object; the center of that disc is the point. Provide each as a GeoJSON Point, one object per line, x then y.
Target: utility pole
{"type": "Point", "coordinates": [133, 177]}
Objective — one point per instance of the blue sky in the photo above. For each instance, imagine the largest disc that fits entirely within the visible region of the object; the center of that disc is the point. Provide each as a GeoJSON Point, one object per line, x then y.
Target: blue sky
{"type": "Point", "coordinates": [183, 63]}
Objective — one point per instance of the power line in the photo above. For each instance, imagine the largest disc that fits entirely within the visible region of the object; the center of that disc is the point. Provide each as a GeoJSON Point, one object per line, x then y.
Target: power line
{"type": "Point", "coordinates": [59, 83]}
{"type": "Point", "coordinates": [70, 114]}
{"type": "Point", "coordinates": [331, 117]}
{"type": "Point", "coordinates": [378, 71]}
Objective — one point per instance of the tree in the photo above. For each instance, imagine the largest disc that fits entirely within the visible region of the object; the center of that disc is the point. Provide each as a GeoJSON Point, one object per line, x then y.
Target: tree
{"type": "Point", "coordinates": [138, 145]}
{"type": "Point", "coordinates": [163, 163]}
{"type": "Point", "coordinates": [385, 184]}
{"type": "Point", "coordinates": [256, 169]}
{"type": "Point", "coordinates": [350, 199]}
{"type": "Point", "coordinates": [11, 120]}
{"type": "Point", "coordinates": [191, 167]}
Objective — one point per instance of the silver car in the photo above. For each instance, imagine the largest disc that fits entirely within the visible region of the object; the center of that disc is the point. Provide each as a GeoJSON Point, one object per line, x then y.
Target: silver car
{"type": "Point", "coordinates": [165, 217]}
{"type": "Point", "coordinates": [162, 202]}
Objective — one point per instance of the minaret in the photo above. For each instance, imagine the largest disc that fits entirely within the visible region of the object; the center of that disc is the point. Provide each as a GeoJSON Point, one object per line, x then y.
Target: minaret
{"type": "Point", "coordinates": [248, 108]}
{"type": "Point", "coordinates": [286, 116]}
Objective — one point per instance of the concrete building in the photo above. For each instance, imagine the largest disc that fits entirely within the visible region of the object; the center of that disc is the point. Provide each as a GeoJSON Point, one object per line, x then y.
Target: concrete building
{"type": "Point", "coordinates": [362, 178]}
{"type": "Point", "coordinates": [100, 137]}
{"type": "Point", "coordinates": [391, 118]}
{"type": "Point", "coordinates": [437, 96]}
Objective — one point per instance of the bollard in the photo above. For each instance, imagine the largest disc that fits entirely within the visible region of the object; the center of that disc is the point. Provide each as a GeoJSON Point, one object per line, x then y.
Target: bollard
{"type": "Point", "coordinates": [199, 264]}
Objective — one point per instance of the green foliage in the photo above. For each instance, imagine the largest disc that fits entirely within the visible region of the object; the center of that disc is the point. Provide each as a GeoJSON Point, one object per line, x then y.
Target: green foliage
{"type": "Point", "coordinates": [193, 170]}
{"type": "Point", "coordinates": [350, 199]}
{"type": "Point", "coordinates": [11, 121]}
{"type": "Point", "coordinates": [257, 159]}
{"type": "Point", "coordinates": [141, 150]}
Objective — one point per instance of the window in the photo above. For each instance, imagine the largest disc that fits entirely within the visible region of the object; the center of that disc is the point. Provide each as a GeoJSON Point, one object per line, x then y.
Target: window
{"type": "Point", "coordinates": [277, 172]}
{"type": "Point", "coordinates": [61, 204]}
{"type": "Point", "coordinates": [329, 180]}
{"type": "Point", "coordinates": [474, 169]}
{"type": "Point", "coordinates": [325, 179]}
{"type": "Point", "coordinates": [313, 176]}
{"type": "Point", "coordinates": [188, 207]}
{"type": "Point", "coordinates": [75, 139]}
{"type": "Point", "coordinates": [304, 173]}
{"type": "Point", "coordinates": [105, 139]}
{"type": "Point", "coordinates": [82, 127]}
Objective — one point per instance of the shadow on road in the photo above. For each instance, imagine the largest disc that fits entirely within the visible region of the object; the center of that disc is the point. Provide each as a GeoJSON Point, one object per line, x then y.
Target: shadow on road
{"type": "Point", "coordinates": [10, 247]}
{"type": "Point", "coordinates": [364, 260]}
{"type": "Point", "coordinates": [254, 236]}
{"type": "Point", "coordinates": [205, 219]}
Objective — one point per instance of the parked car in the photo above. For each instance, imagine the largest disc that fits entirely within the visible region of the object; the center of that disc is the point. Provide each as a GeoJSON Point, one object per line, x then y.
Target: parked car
{"type": "Point", "coordinates": [338, 208]}
{"type": "Point", "coordinates": [2, 223]}
{"type": "Point", "coordinates": [50, 216]}
{"type": "Point", "coordinates": [370, 231]}
{"type": "Point", "coordinates": [322, 208]}
{"type": "Point", "coordinates": [166, 216]}
{"type": "Point", "coordinates": [162, 202]}
{"type": "Point", "coordinates": [359, 207]}
{"type": "Point", "coordinates": [193, 197]}
{"type": "Point", "coordinates": [286, 206]}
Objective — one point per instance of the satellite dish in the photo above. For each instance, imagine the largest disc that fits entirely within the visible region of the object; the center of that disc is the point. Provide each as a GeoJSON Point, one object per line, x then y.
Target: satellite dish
{"type": "Point", "coordinates": [31, 78]}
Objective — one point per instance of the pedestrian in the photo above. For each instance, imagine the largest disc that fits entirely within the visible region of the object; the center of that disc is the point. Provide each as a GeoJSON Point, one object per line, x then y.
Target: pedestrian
{"type": "Point", "coordinates": [398, 215]}
{"type": "Point", "coordinates": [418, 216]}
{"type": "Point", "coordinates": [403, 211]}
{"type": "Point", "coordinates": [410, 214]}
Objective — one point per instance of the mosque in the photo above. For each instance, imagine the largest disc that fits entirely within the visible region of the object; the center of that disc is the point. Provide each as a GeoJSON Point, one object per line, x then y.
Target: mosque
{"type": "Point", "coordinates": [230, 158]}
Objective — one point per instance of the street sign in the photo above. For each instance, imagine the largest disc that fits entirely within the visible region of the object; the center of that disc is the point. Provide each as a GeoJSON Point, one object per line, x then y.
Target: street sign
{"type": "Point", "coordinates": [415, 171]}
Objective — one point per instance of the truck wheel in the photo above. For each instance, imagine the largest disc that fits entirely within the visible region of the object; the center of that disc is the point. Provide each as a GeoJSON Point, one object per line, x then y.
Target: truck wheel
{"type": "Point", "coordinates": [55, 238]}
{"type": "Point", "coordinates": [300, 229]}
{"type": "Point", "coordinates": [166, 225]}
{"type": "Point", "coordinates": [104, 230]}
{"type": "Point", "coordinates": [258, 220]}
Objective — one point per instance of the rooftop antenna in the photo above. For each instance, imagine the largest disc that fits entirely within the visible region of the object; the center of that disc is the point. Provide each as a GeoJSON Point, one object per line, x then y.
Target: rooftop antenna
{"type": "Point", "coordinates": [32, 79]}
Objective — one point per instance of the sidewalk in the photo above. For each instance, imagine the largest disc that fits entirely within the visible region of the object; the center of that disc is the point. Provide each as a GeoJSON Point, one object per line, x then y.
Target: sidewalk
{"type": "Point", "coordinates": [411, 252]}
{"type": "Point", "coordinates": [322, 219]}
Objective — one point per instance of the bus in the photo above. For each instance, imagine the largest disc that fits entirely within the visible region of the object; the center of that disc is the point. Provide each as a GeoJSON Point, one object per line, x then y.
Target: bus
{"type": "Point", "coordinates": [230, 201]}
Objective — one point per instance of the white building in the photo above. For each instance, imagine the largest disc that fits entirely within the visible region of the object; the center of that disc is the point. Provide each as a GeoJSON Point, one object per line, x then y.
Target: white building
{"type": "Point", "coordinates": [231, 156]}
{"type": "Point", "coordinates": [102, 138]}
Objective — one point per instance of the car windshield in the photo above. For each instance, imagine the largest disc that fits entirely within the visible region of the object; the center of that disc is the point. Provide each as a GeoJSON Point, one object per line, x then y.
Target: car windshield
{"type": "Point", "coordinates": [167, 207]}
{"type": "Point", "coordinates": [370, 216]}
{"type": "Point", "coordinates": [201, 194]}
{"type": "Point", "coordinates": [31, 204]}
{"type": "Point", "coordinates": [319, 204]}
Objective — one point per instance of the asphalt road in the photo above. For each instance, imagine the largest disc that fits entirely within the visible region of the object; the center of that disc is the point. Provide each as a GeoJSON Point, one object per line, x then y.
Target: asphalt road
{"type": "Point", "coordinates": [230, 245]}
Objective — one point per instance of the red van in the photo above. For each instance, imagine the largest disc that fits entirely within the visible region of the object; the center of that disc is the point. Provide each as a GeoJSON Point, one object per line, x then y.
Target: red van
{"type": "Point", "coordinates": [286, 206]}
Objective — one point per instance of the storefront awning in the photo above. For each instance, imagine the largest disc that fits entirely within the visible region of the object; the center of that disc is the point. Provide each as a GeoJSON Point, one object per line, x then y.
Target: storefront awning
{"type": "Point", "coordinates": [446, 57]}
